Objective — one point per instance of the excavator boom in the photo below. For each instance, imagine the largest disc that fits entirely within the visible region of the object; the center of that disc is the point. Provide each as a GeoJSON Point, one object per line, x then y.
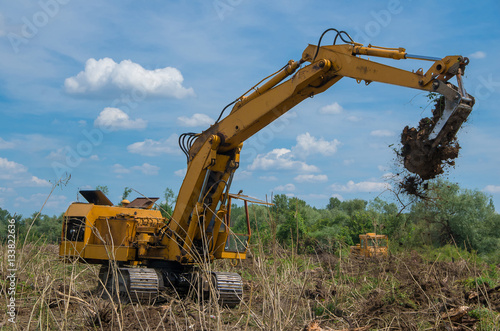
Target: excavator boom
{"type": "Point", "coordinates": [199, 229]}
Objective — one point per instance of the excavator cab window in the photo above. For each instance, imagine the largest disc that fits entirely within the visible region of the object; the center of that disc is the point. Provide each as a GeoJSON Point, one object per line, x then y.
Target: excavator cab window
{"type": "Point", "coordinates": [74, 228]}
{"type": "Point", "coordinates": [239, 231]}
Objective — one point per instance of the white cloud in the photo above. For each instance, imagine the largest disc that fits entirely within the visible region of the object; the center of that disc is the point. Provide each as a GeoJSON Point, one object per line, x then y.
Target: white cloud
{"type": "Point", "coordinates": [37, 200]}
{"type": "Point", "coordinates": [285, 188]}
{"type": "Point", "coordinates": [6, 144]}
{"type": "Point", "coordinates": [290, 115]}
{"type": "Point", "coordinates": [286, 159]}
{"type": "Point", "coordinates": [382, 168]}
{"type": "Point", "coordinates": [492, 189]}
{"type": "Point", "coordinates": [181, 172]}
{"type": "Point", "coordinates": [6, 190]}
{"type": "Point", "coordinates": [105, 74]}
{"type": "Point", "coordinates": [119, 169]}
{"type": "Point", "coordinates": [19, 176]}
{"type": "Point", "coordinates": [334, 108]}
{"type": "Point", "coordinates": [196, 120]}
{"type": "Point", "coordinates": [151, 147]}
{"type": "Point", "coordinates": [338, 196]}
{"type": "Point", "coordinates": [115, 119]}
{"type": "Point", "coordinates": [478, 55]}
{"type": "Point", "coordinates": [382, 133]}
{"type": "Point", "coordinates": [280, 159]}
{"type": "Point", "coordinates": [351, 186]}
{"type": "Point", "coordinates": [10, 169]}
{"type": "Point", "coordinates": [94, 157]}
{"type": "Point", "coordinates": [269, 178]}
{"type": "Point", "coordinates": [30, 143]}
{"type": "Point", "coordinates": [243, 174]}
{"type": "Point", "coordinates": [35, 181]}
{"type": "Point", "coordinates": [145, 168]}
{"type": "Point", "coordinates": [348, 162]}
{"type": "Point", "coordinates": [353, 118]}
{"type": "Point", "coordinates": [307, 144]}
{"type": "Point", "coordinates": [309, 178]}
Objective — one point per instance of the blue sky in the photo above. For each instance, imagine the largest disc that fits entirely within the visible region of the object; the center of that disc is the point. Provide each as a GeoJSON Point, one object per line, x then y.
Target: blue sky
{"type": "Point", "coordinates": [101, 90]}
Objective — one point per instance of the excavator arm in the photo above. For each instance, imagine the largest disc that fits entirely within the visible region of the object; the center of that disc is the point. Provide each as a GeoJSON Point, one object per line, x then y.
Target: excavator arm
{"type": "Point", "coordinates": [154, 252]}
{"type": "Point", "coordinates": [213, 155]}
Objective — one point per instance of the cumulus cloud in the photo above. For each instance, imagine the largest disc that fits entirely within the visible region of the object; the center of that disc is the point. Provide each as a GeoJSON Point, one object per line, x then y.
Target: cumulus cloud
{"type": "Point", "coordinates": [280, 159]}
{"type": "Point", "coordinates": [307, 144]}
{"type": "Point", "coordinates": [285, 188]}
{"type": "Point", "coordinates": [478, 55]}
{"type": "Point", "coordinates": [196, 120]}
{"type": "Point", "coordinates": [348, 162]}
{"type": "Point", "coordinates": [310, 178]}
{"type": "Point", "coordinates": [351, 186]}
{"type": "Point", "coordinates": [9, 169]}
{"type": "Point", "coordinates": [114, 119]}
{"type": "Point", "coordinates": [243, 174]}
{"type": "Point", "coordinates": [338, 196]}
{"type": "Point", "coordinates": [6, 144]}
{"type": "Point", "coordinates": [145, 168]}
{"type": "Point", "coordinates": [30, 142]}
{"type": "Point", "coordinates": [57, 202]}
{"type": "Point", "coordinates": [269, 178]}
{"type": "Point", "coordinates": [151, 147]}
{"type": "Point", "coordinates": [353, 118]}
{"type": "Point", "coordinates": [492, 189]}
{"type": "Point", "coordinates": [119, 169]}
{"type": "Point", "coordinates": [18, 175]}
{"type": "Point", "coordinates": [382, 133]}
{"type": "Point", "coordinates": [334, 108]}
{"type": "Point", "coordinates": [181, 172]}
{"type": "Point", "coordinates": [106, 75]}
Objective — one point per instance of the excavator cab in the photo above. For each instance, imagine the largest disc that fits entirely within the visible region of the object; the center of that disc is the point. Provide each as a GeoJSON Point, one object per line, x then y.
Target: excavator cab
{"type": "Point", "coordinates": [234, 234]}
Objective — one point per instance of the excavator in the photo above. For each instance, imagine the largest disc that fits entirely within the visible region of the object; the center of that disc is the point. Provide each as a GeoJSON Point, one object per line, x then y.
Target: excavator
{"type": "Point", "coordinates": [371, 245]}
{"type": "Point", "coordinates": [142, 253]}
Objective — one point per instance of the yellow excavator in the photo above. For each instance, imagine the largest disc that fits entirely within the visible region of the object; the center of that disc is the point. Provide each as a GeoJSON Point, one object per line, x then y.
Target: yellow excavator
{"type": "Point", "coordinates": [371, 245]}
{"type": "Point", "coordinates": [153, 252]}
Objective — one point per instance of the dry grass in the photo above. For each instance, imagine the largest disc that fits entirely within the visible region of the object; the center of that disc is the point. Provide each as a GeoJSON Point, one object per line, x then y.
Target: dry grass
{"type": "Point", "coordinates": [283, 291]}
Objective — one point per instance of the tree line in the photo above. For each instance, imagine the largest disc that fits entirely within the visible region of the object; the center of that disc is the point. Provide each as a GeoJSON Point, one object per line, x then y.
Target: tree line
{"type": "Point", "coordinates": [449, 215]}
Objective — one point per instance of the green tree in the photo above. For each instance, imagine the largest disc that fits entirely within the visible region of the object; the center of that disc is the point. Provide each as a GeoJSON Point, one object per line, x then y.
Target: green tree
{"type": "Point", "coordinates": [126, 192]}
{"type": "Point", "coordinates": [167, 207]}
{"type": "Point", "coordinates": [354, 205]}
{"type": "Point", "coordinates": [41, 227]}
{"type": "Point", "coordinates": [5, 217]}
{"type": "Point", "coordinates": [334, 203]}
{"type": "Point", "coordinates": [103, 188]}
{"type": "Point", "coordinates": [457, 216]}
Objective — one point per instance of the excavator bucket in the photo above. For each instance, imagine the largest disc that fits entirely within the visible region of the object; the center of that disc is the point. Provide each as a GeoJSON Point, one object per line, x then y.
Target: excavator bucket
{"type": "Point", "coordinates": [433, 144]}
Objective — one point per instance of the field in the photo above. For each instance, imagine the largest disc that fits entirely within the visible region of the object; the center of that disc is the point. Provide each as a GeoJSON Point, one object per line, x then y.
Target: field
{"type": "Point", "coordinates": [440, 289]}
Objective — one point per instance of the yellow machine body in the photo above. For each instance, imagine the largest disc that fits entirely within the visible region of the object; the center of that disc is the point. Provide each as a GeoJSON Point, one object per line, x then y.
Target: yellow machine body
{"type": "Point", "coordinates": [371, 245]}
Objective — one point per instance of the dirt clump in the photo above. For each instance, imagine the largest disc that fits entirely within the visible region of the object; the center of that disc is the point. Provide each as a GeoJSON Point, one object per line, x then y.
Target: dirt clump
{"type": "Point", "coordinates": [422, 156]}
{"type": "Point", "coordinates": [426, 159]}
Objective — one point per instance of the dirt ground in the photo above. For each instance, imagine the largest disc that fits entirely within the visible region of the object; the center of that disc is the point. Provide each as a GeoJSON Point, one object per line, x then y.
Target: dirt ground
{"type": "Point", "coordinates": [283, 292]}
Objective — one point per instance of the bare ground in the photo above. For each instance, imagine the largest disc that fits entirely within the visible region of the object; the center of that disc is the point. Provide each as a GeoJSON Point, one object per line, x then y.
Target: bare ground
{"type": "Point", "coordinates": [283, 291]}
